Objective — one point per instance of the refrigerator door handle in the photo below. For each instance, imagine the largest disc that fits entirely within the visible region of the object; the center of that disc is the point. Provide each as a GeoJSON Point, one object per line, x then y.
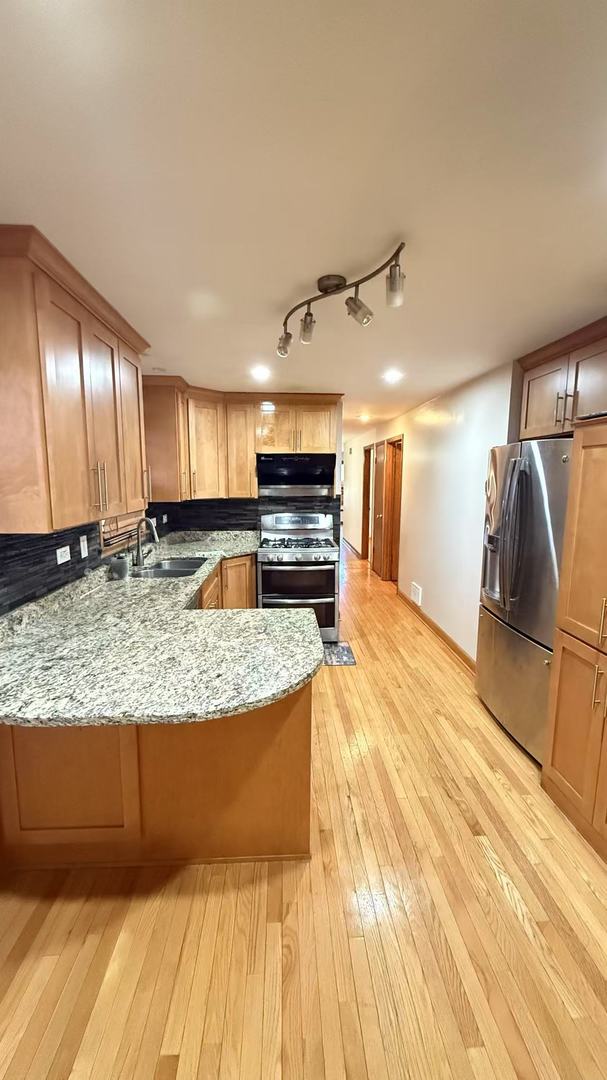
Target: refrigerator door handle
{"type": "Point", "coordinates": [515, 530]}
{"type": "Point", "coordinates": [503, 537]}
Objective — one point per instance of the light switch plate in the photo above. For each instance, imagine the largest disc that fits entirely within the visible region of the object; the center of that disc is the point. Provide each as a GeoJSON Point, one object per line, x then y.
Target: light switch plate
{"type": "Point", "coordinates": [84, 547]}
{"type": "Point", "coordinates": [415, 593]}
{"type": "Point", "coordinates": [63, 554]}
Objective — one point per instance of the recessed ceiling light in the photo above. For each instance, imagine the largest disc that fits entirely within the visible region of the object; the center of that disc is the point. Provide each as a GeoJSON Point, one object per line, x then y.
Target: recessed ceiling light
{"type": "Point", "coordinates": [261, 373]}
{"type": "Point", "coordinates": [392, 375]}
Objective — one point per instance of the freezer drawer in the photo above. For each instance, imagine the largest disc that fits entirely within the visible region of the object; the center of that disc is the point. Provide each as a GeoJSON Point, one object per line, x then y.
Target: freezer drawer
{"type": "Point", "coordinates": [512, 679]}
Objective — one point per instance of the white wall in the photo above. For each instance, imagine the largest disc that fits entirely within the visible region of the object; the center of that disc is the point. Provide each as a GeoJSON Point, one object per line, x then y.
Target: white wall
{"type": "Point", "coordinates": [446, 444]}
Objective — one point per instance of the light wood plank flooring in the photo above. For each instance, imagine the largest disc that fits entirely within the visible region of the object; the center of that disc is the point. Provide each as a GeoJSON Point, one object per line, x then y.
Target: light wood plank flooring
{"type": "Point", "coordinates": [451, 924]}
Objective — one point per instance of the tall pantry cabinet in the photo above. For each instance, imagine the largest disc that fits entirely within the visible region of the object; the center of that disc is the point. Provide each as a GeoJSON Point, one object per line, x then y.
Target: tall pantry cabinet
{"type": "Point", "coordinates": [575, 768]}
{"type": "Point", "coordinates": [72, 446]}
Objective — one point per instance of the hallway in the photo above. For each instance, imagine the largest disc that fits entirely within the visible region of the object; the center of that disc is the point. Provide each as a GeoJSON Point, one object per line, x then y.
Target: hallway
{"type": "Point", "coordinates": [451, 924]}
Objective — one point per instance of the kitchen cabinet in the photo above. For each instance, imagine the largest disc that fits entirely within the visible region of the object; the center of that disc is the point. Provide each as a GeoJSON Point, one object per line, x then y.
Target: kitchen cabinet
{"type": "Point", "coordinates": [137, 476]}
{"type": "Point", "coordinates": [65, 392]}
{"type": "Point", "coordinates": [207, 439]}
{"type": "Point", "coordinates": [582, 607]}
{"type": "Point", "coordinates": [544, 398]}
{"type": "Point", "coordinates": [167, 441]}
{"type": "Point", "coordinates": [74, 496]}
{"type": "Point", "coordinates": [275, 428]}
{"type": "Point", "coordinates": [239, 583]}
{"type": "Point", "coordinates": [211, 591]}
{"type": "Point", "coordinates": [315, 428]}
{"type": "Point", "coordinates": [240, 420]}
{"type": "Point", "coordinates": [102, 355]}
{"type": "Point", "coordinates": [587, 381]}
{"type": "Point", "coordinates": [576, 720]}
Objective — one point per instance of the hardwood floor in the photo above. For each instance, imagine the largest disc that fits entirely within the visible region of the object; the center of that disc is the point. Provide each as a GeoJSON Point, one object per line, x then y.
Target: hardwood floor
{"type": "Point", "coordinates": [451, 924]}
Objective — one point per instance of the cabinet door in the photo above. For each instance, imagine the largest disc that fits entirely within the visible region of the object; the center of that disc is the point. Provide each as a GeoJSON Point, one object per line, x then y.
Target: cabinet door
{"type": "Point", "coordinates": [183, 450]}
{"type": "Point", "coordinates": [315, 429]}
{"type": "Point", "coordinates": [582, 609]}
{"type": "Point", "coordinates": [137, 480]}
{"type": "Point", "coordinates": [577, 705]}
{"type": "Point", "coordinates": [238, 577]}
{"type": "Point", "coordinates": [207, 448]}
{"type": "Point", "coordinates": [241, 452]}
{"type": "Point", "coordinates": [275, 428]}
{"type": "Point", "coordinates": [543, 407]}
{"type": "Point", "coordinates": [105, 407]}
{"type": "Point", "coordinates": [587, 382]}
{"type": "Point", "coordinates": [75, 497]}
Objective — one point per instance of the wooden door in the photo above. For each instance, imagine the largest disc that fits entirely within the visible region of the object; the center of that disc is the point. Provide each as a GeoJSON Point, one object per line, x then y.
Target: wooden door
{"type": "Point", "coordinates": [543, 405]}
{"type": "Point", "coordinates": [240, 421]}
{"type": "Point", "coordinates": [395, 449]}
{"type": "Point", "coordinates": [366, 509]}
{"type": "Point", "coordinates": [75, 497]}
{"type": "Point", "coordinates": [106, 414]}
{"type": "Point", "coordinates": [207, 448]}
{"type": "Point", "coordinates": [378, 508]}
{"type": "Point", "coordinates": [587, 381]}
{"type": "Point", "coordinates": [275, 428]}
{"type": "Point", "coordinates": [238, 577]}
{"type": "Point", "coordinates": [315, 429]}
{"type": "Point", "coordinates": [576, 720]}
{"type": "Point", "coordinates": [137, 479]}
{"type": "Point", "coordinates": [183, 448]}
{"type": "Point", "coordinates": [582, 609]}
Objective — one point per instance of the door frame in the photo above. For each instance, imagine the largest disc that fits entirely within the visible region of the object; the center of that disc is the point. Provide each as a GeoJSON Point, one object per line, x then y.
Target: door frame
{"type": "Point", "coordinates": [392, 505]}
{"type": "Point", "coordinates": [366, 507]}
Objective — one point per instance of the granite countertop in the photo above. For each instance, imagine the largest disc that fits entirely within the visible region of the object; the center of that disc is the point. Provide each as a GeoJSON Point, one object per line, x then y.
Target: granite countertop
{"type": "Point", "coordinates": [141, 651]}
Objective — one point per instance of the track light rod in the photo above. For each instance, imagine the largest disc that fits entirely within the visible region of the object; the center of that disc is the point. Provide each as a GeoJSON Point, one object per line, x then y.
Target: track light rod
{"type": "Point", "coordinates": [343, 288]}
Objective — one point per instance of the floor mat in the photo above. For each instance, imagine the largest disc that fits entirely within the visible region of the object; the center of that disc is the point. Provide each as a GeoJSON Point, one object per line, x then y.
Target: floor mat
{"type": "Point", "coordinates": [338, 654]}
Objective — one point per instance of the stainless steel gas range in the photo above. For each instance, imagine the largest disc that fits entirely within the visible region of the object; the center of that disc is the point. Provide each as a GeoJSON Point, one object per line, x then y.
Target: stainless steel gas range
{"type": "Point", "coordinates": [298, 566]}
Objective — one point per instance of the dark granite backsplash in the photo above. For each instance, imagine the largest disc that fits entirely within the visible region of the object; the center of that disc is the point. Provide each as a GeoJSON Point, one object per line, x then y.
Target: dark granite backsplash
{"type": "Point", "coordinates": [28, 563]}
{"type": "Point", "coordinates": [238, 513]}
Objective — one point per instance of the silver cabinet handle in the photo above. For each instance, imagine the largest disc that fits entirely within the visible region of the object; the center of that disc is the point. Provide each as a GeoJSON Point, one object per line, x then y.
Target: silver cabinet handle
{"type": "Point", "coordinates": [106, 502]}
{"type": "Point", "coordinates": [193, 483]}
{"type": "Point", "coordinates": [149, 483]}
{"type": "Point", "coordinates": [557, 419]}
{"type": "Point", "coordinates": [271, 601]}
{"type": "Point", "coordinates": [97, 468]}
{"type": "Point", "coordinates": [602, 620]}
{"type": "Point", "coordinates": [597, 675]}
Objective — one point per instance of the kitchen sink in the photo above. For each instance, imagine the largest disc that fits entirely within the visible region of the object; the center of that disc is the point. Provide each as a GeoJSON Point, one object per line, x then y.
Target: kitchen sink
{"type": "Point", "coordinates": [169, 568]}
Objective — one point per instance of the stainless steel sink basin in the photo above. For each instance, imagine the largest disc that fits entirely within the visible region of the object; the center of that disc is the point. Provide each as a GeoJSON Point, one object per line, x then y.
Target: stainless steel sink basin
{"type": "Point", "coordinates": [168, 568]}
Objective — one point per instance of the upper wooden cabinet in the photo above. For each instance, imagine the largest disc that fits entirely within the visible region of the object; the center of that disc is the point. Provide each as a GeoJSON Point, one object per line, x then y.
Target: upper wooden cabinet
{"type": "Point", "coordinates": [242, 480]}
{"type": "Point", "coordinates": [70, 416]}
{"type": "Point", "coordinates": [587, 382]}
{"type": "Point", "coordinates": [207, 429]}
{"type": "Point", "coordinates": [582, 607]}
{"type": "Point", "coordinates": [577, 706]}
{"type": "Point", "coordinates": [543, 405]}
{"type": "Point", "coordinates": [284, 428]}
{"type": "Point", "coordinates": [167, 441]}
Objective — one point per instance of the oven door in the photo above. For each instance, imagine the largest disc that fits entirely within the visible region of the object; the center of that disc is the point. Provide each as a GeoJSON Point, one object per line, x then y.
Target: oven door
{"type": "Point", "coordinates": [297, 581]}
{"type": "Point", "coordinates": [324, 607]}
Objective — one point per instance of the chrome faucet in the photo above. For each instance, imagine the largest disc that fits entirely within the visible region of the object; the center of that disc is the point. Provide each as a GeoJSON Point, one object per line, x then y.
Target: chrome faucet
{"type": "Point", "coordinates": [138, 560]}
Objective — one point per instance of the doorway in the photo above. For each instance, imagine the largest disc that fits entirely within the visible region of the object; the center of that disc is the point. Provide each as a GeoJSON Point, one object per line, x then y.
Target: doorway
{"type": "Point", "coordinates": [387, 485]}
{"type": "Point", "coordinates": [366, 500]}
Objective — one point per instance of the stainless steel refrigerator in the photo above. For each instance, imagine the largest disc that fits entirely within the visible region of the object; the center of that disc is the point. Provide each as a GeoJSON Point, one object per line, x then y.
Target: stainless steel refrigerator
{"type": "Point", "coordinates": [526, 498]}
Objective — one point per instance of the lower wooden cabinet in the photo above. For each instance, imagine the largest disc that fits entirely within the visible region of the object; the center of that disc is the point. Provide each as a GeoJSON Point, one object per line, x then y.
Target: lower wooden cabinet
{"type": "Point", "coordinates": [210, 593]}
{"type": "Point", "coordinates": [239, 585]}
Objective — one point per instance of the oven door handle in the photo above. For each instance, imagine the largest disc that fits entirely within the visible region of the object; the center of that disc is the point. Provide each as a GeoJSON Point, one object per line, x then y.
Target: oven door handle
{"type": "Point", "coordinates": [303, 569]}
{"type": "Point", "coordinates": [275, 601]}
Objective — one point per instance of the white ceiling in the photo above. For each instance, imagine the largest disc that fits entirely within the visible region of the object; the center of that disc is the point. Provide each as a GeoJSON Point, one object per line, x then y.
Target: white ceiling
{"type": "Point", "coordinates": [203, 162]}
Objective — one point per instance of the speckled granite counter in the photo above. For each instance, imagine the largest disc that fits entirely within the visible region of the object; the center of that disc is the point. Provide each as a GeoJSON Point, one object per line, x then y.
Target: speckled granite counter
{"type": "Point", "coordinates": [139, 651]}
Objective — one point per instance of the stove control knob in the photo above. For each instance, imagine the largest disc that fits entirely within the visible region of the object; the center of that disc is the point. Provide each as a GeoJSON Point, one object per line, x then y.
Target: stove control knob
{"type": "Point", "coordinates": [317, 558]}
{"type": "Point", "coordinates": [299, 558]}
{"type": "Point", "coordinates": [279, 558]}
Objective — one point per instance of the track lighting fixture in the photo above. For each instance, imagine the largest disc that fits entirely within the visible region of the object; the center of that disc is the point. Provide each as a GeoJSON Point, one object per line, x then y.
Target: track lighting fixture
{"type": "Point", "coordinates": [358, 309]}
{"type": "Point", "coordinates": [331, 285]}
{"type": "Point", "coordinates": [395, 286]}
{"type": "Point", "coordinates": [284, 343]}
{"type": "Point", "coordinates": [306, 327]}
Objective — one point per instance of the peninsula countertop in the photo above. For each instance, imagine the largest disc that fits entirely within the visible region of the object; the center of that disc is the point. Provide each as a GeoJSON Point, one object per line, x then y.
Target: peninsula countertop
{"type": "Point", "coordinates": [140, 651]}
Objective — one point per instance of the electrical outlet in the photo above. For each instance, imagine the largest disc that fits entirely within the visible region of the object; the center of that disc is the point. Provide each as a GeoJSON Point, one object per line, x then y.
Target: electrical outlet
{"type": "Point", "coordinates": [153, 520]}
{"type": "Point", "coordinates": [415, 592]}
{"type": "Point", "coordinates": [84, 547]}
{"type": "Point", "coordinates": [165, 518]}
{"type": "Point", "coordinates": [63, 554]}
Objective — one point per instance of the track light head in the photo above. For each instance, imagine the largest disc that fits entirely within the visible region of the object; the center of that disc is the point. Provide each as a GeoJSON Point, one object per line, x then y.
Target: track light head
{"type": "Point", "coordinates": [284, 344]}
{"type": "Point", "coordinates": [306, 327]}
{"type": "Point", "coordinates": [358, 309]}
{"type": "Point", "coordinates": [395, 286]}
